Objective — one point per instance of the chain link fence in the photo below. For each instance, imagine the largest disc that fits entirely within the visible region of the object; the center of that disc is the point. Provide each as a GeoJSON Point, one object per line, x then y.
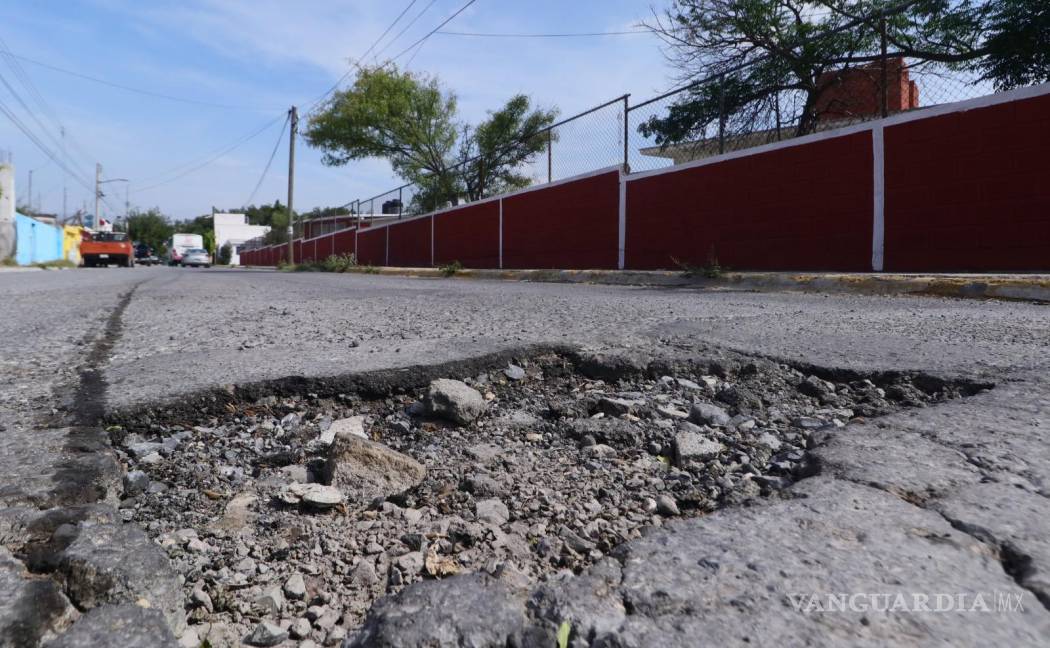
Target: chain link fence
{"type": "Point", "coordinates": [715, 115]}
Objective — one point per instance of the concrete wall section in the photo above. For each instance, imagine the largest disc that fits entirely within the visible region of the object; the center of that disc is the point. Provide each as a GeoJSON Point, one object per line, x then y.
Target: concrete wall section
{"type": "Point", "coordinates": [970, 190]}
{"type": "Point", "coordinates": [37, 242]}
{"type": "Point", "coordinates": [469, 235]}
{"type": "Point", "coordinates": [793, 208]}
{"type": "Point", "coordinates": [410, 243]}
{"type": "Point", "coordinates": [572, 225]}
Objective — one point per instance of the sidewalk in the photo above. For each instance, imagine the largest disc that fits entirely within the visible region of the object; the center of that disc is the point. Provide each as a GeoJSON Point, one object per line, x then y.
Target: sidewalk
{"type": "Point", "coordinates": [1021, 287]}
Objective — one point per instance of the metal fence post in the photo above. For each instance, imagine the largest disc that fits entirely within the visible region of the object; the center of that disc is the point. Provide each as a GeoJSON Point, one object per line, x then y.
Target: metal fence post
{"type": "Point", "coordinates": [626, 133]}
{"type": "Point", "coordinates": [550, 157]}
{"type": "Point", "coordinates": [721, 113]}
{"type": "Point", "coordinates": [400, 205]}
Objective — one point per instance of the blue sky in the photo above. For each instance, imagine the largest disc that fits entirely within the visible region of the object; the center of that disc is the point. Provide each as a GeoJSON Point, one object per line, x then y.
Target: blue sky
{"type": "Point", "coordinates": [261, 56]}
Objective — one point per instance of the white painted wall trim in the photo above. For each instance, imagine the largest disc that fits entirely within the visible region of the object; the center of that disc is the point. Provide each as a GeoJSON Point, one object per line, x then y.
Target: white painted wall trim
{"type": "Point", "coordinates": [878, 234]}
{"type": "Point", "coordinates": [622, 240]}
{"type": "Point", "coordinates": [500, 233]}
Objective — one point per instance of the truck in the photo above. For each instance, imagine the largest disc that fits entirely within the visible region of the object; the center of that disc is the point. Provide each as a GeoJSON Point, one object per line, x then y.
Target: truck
{"type": "Point", "coordinates": [179, 243]}
{"type": "Point", "coordinates": [99, 248]}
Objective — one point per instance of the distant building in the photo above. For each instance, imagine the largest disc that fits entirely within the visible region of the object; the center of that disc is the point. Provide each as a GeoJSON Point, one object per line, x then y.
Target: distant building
{"type": "Point", "coordinates": [235, 230]}
{"type": "Point", "coordinates": [850, 96]}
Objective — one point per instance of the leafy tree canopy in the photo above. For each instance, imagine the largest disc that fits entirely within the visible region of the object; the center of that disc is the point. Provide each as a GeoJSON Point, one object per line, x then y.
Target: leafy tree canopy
{"type": "Point", "coordinates": [151, 227]}
{"type": "Point", "coordinates": [762, 63]}
{"type": "Point", "coordinates": [411, 121]}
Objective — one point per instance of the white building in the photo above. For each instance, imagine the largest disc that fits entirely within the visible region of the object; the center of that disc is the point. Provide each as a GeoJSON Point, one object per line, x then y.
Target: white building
{"type": "Point", "coordinates": [235, 230]}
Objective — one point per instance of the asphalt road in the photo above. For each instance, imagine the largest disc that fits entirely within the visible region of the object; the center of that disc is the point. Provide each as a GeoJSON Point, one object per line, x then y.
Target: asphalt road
{"type": "Point", "coordinates": [980, 466]}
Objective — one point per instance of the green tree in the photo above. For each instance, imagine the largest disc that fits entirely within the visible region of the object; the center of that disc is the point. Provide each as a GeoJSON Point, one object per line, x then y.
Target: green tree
{"type": "Point", "coordinates": [411, 121]}
{"type": "Point", "coordinates": [151, 227]}
{"type": "Point", "coordinates": [769, 62]}
{"type": "Point", "coordinates": [1017, 43]}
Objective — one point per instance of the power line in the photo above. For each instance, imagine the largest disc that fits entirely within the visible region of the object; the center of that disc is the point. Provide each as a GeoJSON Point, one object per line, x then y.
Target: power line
{"type": "Point", "coordinates": [120, 86]}
{"type": "Point", "coordinates": [432, 31]}
{"type": "Point", "coordinates": [273, 154]}
{"type": "Point", "coordinates": [404, 29]}
{"type": "Point", "coordinates": [387, 31]}
{"type": "Point", "coordinates": [207, 161]}
{"type": "Point", "coordinates": [355, 65]}
{"type": "Point", "coordinates": [573, 35]}
{"type": "Point", "coordinates": [43, 147]}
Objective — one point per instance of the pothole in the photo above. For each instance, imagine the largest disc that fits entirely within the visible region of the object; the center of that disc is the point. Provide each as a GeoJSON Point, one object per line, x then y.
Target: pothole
{"type": "Point", "coordinates": [560, 468]}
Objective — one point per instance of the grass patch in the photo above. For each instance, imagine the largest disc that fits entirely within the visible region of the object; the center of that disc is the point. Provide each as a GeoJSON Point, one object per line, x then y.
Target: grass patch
{"type": "Point", "coordinates": [451, 269]}
{"type": "Point", "coordinates": [711, 269]}
{"type": "Point", "coordinates": [57, 263]}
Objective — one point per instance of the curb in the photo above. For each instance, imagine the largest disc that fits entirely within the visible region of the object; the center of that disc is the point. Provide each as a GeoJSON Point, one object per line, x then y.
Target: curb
{"type": "Point", "coordinates": [1013, 287]}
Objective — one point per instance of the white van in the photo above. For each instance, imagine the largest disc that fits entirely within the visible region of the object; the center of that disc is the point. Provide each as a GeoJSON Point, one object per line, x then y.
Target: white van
{"type": "Point", "coordinates": [178, 244]}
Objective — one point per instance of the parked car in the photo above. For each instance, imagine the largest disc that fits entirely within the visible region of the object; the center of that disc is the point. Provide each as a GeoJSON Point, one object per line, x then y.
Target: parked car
{"type": "Point", "coordinates": [105, 248]}
{"type": "Point", "coordinates": [145, 255]}
{"type": "Point", "coordinates": [196, 257]}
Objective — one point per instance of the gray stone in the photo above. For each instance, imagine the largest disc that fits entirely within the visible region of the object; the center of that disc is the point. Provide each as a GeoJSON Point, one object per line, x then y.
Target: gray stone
{"type": "Point", "coordinates": [297, 474]}
{"type": "Point", "coordinates": [708, 414]}
{"type": "Point", "coordinates": [475, 611]}
{"type": "Point", "coordinates": [32, 608]}
{"type": "Point", "coordinates": [666, 505]}
{"type": "Point", "coordinates": [295, 587]}
{"type": "Point", "coordinates": [364, 573]}
{"type": "Point", "coordinates": [125, 625]}
{"type": "Point", "coordinates": [109, 563]}
{"type": "Point", "coordinates": [514, 372]}
{"type": "Point", "coordinates": [455, 401]}
{"type": "Point", "coordinates": [694, 446]}
{"type": "Point", "coordinates": [351, 426]}
{"type": "Point", "coordinates": [364, 470]}
{"type": "Point", "coordinates": [493, 511]}
{"type": "Point", "coordinates": [617, 406]}
{"type": "Point", "coordinates": [266, 634]}
{"type": "Point", "coordinates": [300, 629]}
{"type": "Point", "coordinates": [135, 482]}
{"type": "Point", "coordinates": [201, 598]}
{"type": "Point", "coordinates": [270, 602]}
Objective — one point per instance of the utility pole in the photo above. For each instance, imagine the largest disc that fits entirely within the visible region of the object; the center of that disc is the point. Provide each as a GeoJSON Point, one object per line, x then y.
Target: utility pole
{"type": "Point", "coordinates": [65, 212]}
{"type": "Point", "coordinates": [30, 188]}
{"type": "Point", "coordinates": [98, 193]}
{"type": "Point", "coordinates": [294, 123]}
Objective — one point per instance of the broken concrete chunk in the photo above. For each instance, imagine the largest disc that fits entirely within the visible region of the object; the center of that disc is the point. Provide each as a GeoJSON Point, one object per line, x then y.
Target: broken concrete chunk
{"type": "Point", "coordinates": [126, 625]}
{"type": "Point", "coordinates": [708, 414]}
{"type": "Point", "coordinates": [111, 563]}
{"type": "Point", "coordinates": [351, 426]}
{"type": "Point", "coordinates": [695, 446]}
{"type": "Point", "coordinates": [32, 609]}
{"type": "Point", "coordinates": [364, 470]}
{"type": "Point", "coordinates": [455, 401]}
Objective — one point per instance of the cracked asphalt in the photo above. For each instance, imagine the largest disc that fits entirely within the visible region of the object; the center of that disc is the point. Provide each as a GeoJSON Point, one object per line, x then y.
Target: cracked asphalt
{"type": "Point", "coordinates": [945, 500]}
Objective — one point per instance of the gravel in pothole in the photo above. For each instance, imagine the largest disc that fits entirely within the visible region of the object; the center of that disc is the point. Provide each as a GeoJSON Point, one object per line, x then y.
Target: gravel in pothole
{"type": "Point", "coordinates": [287, 524]}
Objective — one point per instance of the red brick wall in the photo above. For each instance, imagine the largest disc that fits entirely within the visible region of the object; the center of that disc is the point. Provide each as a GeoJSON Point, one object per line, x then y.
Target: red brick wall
{"type": "Point", "coordinates": [574, 225]}
{"type": "Point", "coordinates": [469, 234]}
{"type": "Point", "coordinates": [970, 190]}
{"type": "Point", "coordinates": [806, 207]}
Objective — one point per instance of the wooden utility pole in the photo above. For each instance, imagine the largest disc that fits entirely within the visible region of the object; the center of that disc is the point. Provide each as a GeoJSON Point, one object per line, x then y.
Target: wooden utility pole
{"type": "Point", "coordinates": [294, 123]}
